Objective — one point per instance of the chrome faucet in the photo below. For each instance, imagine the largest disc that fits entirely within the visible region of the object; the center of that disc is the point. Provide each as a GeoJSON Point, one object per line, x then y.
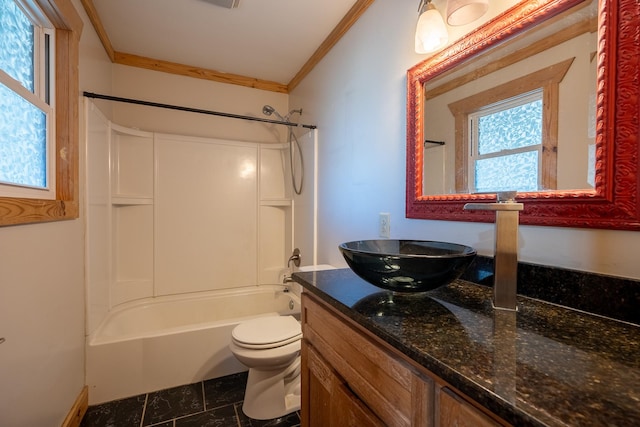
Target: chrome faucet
{"type": "Point", "coordinates": [295, 258]}
{"type": "Point", "coordinates": [505, 260]}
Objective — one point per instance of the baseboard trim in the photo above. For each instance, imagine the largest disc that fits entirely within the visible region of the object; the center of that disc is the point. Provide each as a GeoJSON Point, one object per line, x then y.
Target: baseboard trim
{"type": "Point", "coordinates": [79, 408]}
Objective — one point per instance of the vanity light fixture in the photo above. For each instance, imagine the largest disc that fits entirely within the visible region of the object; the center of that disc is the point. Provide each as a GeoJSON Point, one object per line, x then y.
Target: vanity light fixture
{"type": "Point", "coordinates": [431, 33]}
{"type": "Point", "coordinates": [462, 12]}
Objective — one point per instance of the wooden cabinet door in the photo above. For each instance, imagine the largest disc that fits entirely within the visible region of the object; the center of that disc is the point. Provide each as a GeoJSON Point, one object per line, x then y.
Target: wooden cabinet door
{"type": "Point", "coordinates": [348, 410]}
{"type": "Point", "coordinates": [455, 412]}
{"type": "Point", "coordinates": [316, 380]}
{"type": "Point", "coordinates": [327, 399]}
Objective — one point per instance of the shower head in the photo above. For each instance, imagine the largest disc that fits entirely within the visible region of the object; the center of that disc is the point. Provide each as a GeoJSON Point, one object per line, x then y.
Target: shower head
{"type": "Point", "coordinates": [268, 110]}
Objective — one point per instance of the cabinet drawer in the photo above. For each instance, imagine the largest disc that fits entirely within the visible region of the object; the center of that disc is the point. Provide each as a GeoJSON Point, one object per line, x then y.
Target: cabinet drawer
{"type": "Point", "coordinates": [396, 393]}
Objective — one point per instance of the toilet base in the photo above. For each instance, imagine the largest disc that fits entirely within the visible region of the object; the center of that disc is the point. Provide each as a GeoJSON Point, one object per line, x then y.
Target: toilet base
{"type": "Point", "coordinates": [272, 394]}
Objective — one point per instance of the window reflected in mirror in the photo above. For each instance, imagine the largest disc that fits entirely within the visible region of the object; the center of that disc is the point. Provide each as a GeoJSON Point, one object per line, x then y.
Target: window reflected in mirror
{"type": "Point", "coordinates": [505, 145]}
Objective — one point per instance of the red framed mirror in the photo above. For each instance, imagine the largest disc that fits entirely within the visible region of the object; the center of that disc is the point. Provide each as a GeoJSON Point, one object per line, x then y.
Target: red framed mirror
{"type": "Point", "coordinates": [614, 201]}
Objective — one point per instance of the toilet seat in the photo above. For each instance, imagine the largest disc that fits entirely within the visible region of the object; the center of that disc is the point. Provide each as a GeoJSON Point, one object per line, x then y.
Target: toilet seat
{"type": "Point", "coordinates": [267, 332]}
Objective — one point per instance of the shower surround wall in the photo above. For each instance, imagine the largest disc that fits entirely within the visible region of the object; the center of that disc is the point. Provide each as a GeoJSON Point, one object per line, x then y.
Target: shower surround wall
{"type": "Point", "coordinates": [175, 215]}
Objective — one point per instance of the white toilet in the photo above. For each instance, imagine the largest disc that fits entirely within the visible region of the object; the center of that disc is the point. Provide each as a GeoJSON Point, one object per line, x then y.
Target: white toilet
{"type": "Point", "coordinates": [270, 347]}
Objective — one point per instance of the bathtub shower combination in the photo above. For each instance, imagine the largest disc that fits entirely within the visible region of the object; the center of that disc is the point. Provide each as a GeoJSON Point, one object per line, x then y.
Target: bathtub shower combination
{"type": "Point", "coordinates": [186, 238]}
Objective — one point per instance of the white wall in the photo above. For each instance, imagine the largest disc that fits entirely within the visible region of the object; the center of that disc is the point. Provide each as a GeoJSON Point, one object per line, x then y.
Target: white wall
{"type": "Point", "coordinates": [42, 319]}
{"type": "Point", "coordinates": [42, 298]}
{"type": "Point", "coordinates": [357, 97]}
{"type": "Point", "coordinates": [137, 83]}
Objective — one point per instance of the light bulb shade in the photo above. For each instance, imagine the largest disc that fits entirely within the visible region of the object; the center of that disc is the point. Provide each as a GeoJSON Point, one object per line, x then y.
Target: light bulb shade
{"type": "Point", "coordinates": [462, 12]}
{"type": "Point", "coordinates": [431, 33]}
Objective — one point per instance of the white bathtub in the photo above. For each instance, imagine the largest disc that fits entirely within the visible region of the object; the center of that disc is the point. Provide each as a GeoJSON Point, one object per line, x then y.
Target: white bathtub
{"type": "Point", "coordinates": [164, 342]}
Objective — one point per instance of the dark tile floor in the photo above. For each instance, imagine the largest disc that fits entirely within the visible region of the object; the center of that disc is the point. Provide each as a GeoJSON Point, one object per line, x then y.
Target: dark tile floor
{"type": "Point", "coordinates": [211, 403]}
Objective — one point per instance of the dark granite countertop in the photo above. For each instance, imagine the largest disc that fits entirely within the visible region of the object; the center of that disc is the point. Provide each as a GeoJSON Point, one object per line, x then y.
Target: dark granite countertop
{"type": "Point", "coordinates": [545, 365]}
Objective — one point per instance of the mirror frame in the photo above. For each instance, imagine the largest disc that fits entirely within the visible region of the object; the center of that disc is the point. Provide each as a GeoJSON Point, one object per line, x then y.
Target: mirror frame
{"type": "Point", "coordinates": [615, 201]}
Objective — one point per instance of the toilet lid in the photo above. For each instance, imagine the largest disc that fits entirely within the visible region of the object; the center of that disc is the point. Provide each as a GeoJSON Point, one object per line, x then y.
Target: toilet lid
{"type": "Point", "coordinates": [269, 331]}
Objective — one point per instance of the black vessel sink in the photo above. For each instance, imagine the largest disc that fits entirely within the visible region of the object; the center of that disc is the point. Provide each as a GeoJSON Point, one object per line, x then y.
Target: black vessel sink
{"type": "Point", "coordinates": [407, 265]}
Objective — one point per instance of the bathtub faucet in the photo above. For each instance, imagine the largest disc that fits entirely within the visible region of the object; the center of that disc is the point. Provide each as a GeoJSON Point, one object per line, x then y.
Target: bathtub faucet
{"type": "Point", "coordinates": [285, 281]}
{"type": "Point", "coordinates": [295, 258]}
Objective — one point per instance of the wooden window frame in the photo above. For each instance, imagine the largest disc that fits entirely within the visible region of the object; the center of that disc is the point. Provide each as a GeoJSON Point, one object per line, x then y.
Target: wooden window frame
{"type": "Point", "coordinates": [13, 211]}
{"type": "Point", "coordinates": [548, 79]}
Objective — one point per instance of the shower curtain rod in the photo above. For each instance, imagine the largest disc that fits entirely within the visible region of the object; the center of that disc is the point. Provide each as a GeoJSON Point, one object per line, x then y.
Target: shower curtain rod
{"type": "Point", "coordinates": [194, 110]}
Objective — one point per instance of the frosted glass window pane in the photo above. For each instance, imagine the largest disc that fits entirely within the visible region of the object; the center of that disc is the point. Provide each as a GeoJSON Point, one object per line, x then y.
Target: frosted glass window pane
{"type": "Point", "coordinates": [513, 172]}
{"type": "Point", "coordinates": [23, 143]}
{"type": "Point", "coordinates": [16, 44]}
{"type": "Point", "coordinates": [515, 127]}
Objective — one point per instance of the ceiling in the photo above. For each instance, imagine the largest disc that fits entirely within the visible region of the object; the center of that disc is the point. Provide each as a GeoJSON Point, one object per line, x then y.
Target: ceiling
{"type": "Point", "coordinates": [268, 44]}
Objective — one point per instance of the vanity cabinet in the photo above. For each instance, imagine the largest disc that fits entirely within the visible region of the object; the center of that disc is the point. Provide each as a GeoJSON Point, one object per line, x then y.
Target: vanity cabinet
{"type": "Point", "coordinates": [350, 377]}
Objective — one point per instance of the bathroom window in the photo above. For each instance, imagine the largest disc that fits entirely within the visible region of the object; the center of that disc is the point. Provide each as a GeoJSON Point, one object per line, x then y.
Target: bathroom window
{"type": "Point", "coordinates": [506, 137]}
{"type": "Point", "coordinates": [26, 132]}
{"type": "Point", "coordinates": [506, 145]}
{"type": "Point", "coordinates": [38, 110]}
